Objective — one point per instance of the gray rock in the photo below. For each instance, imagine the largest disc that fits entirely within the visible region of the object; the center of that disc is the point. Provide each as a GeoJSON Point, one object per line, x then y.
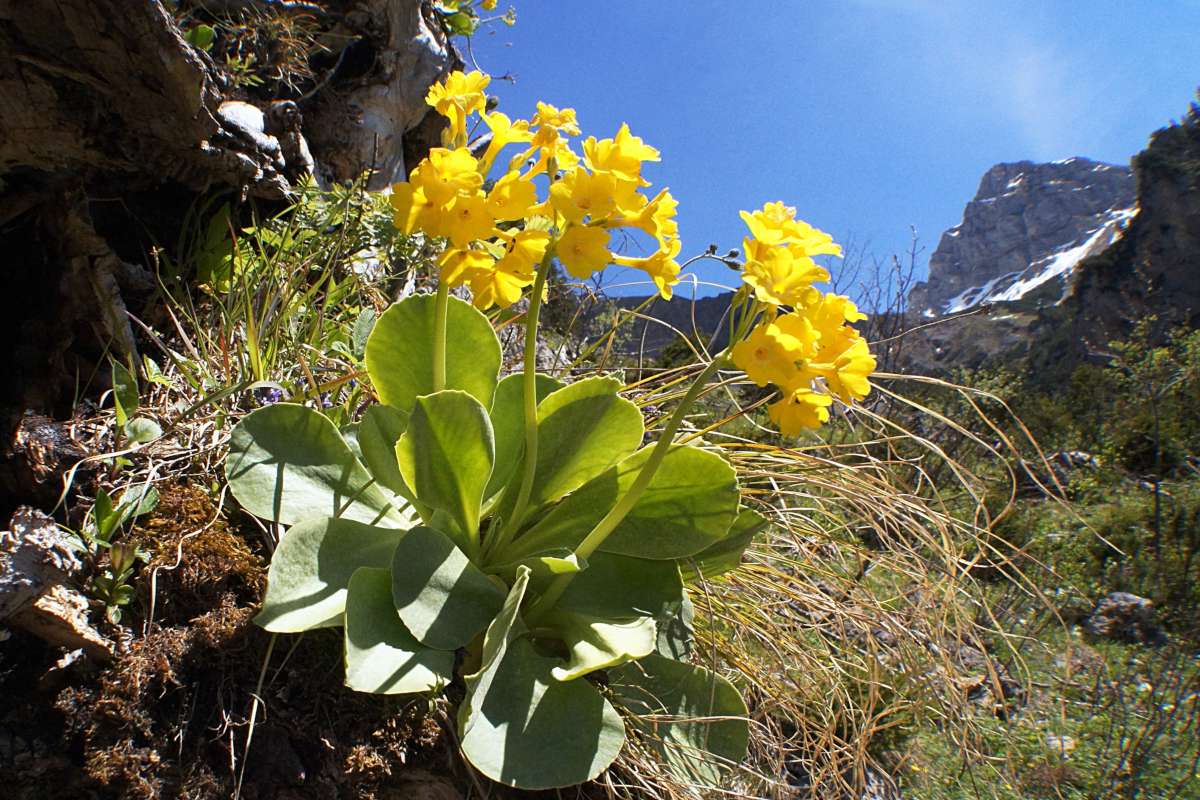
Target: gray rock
{"type": "Point", "coordinates": [1027, 221]}
{"type": "Point", "coordinates": [1124, 617]}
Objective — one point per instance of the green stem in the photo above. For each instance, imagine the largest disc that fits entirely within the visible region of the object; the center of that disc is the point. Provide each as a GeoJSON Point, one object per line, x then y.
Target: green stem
{"type": "Point", "coordinates": [617, 513]}
{"type": "Point", "coordinates": [440, 307]}
{"type": "Point", "coordinates": [529, 382]}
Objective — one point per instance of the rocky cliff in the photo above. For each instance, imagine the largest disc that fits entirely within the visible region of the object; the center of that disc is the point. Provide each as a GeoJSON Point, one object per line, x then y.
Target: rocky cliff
{"type": "Point", "coordinates": [1028, 226]}
{"type": "Point", "coordinates": [1097, 260]}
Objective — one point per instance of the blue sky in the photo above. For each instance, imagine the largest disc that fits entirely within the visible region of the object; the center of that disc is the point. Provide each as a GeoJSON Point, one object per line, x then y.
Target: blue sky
{"type": "Point", "coordinates": [869, 116]}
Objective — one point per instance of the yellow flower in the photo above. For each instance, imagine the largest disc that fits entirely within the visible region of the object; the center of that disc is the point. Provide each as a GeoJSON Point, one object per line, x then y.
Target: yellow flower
{"type": "Point", "coordinates": [497, 287]}
{"type": "Point", "coordinates": [801, 335]}
{"type": "Point", "coordinates": [488, 5]}
{"type": "Point", "coordinates": [412, 209]}
{"type": "Point", "coordinates": [779, 277]}
{"type": "Point", "coordinates": [523, 250]}
{"type": "Point", "coordinates": [656, 217]}
{"type": "Point", "coordinates": [580, 194]}
{"type": "Point", "coordinates": [662, 267]}
{"type": "Point", "coordinates": [447, 173]}
{"type": "Point", "coordinates": [847, 372]}
{"type": "Point", "coordinates": [776, 223]}
{"type": "Point", "coordinates": [467, 220]}
{"type": "Point", "coordinates": [565, 159]}
{"type": "Point", "coordinates": [622, 155]}
{"type": "Point", "coordinates": [456, 98]}
{"type": "Point", "coordinates": [502, 285]}
{"type": "Point", "coordinates": [504, 133]}
{"type": "Point", "coordinates": [459, 264]}
{"type": "Point", "coordinates": [512, 197]}
{"type": "Point", "coordinates": [800, 409]}
{"type": "Point", "coordinates": [552, 122]}
{"type": "Point", "coordinates": [583, 250]}
{"type": "Point", "coordinates": [768, 355]}
{"type": "Point", "coordinates": [830, 315]}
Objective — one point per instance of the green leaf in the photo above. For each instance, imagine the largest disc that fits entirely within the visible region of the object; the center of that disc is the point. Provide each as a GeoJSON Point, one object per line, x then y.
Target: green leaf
{"type": "Point", "coordinates": [103, 516]}
{"type": "Point", "coordinates": [382, 657]}
{"type": "Point", "coordinates": [583, 429]}
{"type": "Point", "coordinates": [620, 587]}
{"type": "Point", "coordinates": [688, 506]}
{"type": "Point", "coordinates": [725, 555]}
{"type": "Point", "coordinates": [599, 642]}
{"type": "Point", "coordinates": [462, 23]}
{"type": "Point", "coordinates": [125, 393]}
{"type": "Point", "coordinates": [311, 568]}
{"type": "Point", "coordinates": [446, 455]}
{"type": "Point", "coordinates": [677, 629]}
{"type": "Point", "coordinates": [508, 425]}
{"type": "Point", "coordinates": [694, 718]}
{"type": "Point", "coordinates": [399, 354]}
{"type": "Point", "coordinates": [139, 501]}
{"type": "Point", "coordinates": [142, 430]}
{"type": "Point", "coordinates": [443, 599]}
{"type": "Point", "coordinates": [560, 562]}
{"type": "Point", "coordinates": [381, 427]}
{"type": "Point", "coordinates": [288, 463]}
{"type": "Point", "coordinates": [521, 727]}
{"type": "Point", "coordinates": [362, 332]}
{"type": "Point", "coordinates": [201, 36]}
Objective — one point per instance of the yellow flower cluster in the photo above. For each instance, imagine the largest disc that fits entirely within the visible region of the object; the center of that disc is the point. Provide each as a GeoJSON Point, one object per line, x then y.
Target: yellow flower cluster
{"type": "Point", "coordinates": [498, 230]}
{"type": "Point", "coordinates": [810, 352]}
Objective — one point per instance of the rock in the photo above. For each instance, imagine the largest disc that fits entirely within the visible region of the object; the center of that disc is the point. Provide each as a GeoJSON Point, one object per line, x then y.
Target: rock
{"type": "Point", "coordinates": [1028, 224]}
{"type": "Point", "coordinates": [37, 563]}
{"type": "Point", "coordinates": [1124, 617]}
{"type": "Point", "coordinates": [377, 118]}
{"type": "Point", "coordinates": [418, 784]}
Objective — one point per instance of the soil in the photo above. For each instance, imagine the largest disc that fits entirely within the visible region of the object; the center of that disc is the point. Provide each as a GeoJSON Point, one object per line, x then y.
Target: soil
{"type": "Point", "coordinates": [170, 717]}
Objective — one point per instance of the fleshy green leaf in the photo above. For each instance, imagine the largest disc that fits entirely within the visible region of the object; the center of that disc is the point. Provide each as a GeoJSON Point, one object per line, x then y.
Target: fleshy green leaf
{"type": "Point", "coordinates": [378, 432]}
{"type": "Point", "coordinates": [382, 657]}
{"type": "Point", "coordinates": [443, 599]}
{"type": "Point", "coordinates": [688, 506]}
{"type": "Point", "coordinates": [141, 430]}
{"type": "Point", "coordinates": [725, 555]}
{"type": "Point", "coordinates": [311, 568]}
{"type": "Point", "coordinates": [583, 429]}
{"type": "Point", "coordinates": [446, 455]}
{"type": "Point", "coordinates": [597, 642]}
{"type": "Point", "coordinates": [676, 629]}
{"type": "Point", "coordinates": [617, 609]}
{"type": "Point", "coordinates": [620, 587]}
{"type": "Point", "coordinates": [559, 562]}
{"type": "Point", "coordinates": [694, 718]}
{"type": "Point", "coordinates": [521, 727]}
{"type": "Point", "coordinates": [288, 463]}
{"type": "Point", "coordinates": [399, 354]}
{"type": "Point", "coordinates": [508, 425]}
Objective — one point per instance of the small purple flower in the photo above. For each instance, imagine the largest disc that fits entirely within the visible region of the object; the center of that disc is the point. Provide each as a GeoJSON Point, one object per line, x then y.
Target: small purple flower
{"type": "Point", "coordinates": [267, 395]}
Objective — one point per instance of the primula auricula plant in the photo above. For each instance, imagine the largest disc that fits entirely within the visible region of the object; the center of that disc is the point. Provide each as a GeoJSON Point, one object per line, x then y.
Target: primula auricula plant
{"type": "Point", "coordinates": [514, 533]}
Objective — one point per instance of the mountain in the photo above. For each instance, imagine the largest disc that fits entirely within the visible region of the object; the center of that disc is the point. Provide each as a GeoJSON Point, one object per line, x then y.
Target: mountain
{"type": "Point", "coordinates": [1057, 260]}
{"type": "Point", "coordinates": [1028, 227]}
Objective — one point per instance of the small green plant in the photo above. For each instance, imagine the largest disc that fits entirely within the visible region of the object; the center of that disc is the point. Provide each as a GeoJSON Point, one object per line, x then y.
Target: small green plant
{"type": "Point", "coordinates": [101, 525]}
{"type": "Point", "coordinates": [134, 429]}
{"type": "Point", "coordinates": [515, 534]}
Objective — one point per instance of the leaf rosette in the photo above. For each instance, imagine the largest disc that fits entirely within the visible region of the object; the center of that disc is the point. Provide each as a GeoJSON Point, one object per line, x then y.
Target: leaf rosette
{"type": "Point", "coordinates": [416, 544]}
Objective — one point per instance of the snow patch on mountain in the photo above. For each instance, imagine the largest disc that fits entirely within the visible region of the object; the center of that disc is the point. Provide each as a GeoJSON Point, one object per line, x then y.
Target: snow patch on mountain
{"type": "Point", "coordinates": [1015, 285]}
